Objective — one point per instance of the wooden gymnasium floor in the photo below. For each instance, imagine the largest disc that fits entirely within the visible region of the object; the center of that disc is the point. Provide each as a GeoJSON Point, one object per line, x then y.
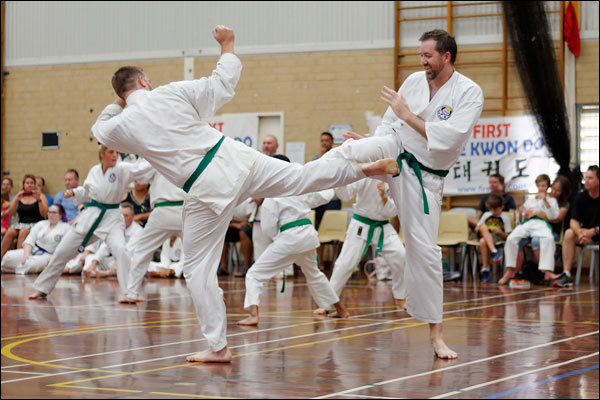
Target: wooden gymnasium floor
{"type": "Point", "coordinates": [537, 343]}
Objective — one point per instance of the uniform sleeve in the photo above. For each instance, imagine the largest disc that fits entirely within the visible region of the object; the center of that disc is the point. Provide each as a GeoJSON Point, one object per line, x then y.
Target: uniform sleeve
{"type": "Point", "coordinates": [348, 192]}
{"type": "Point", "coordinates": [33, 235]}
{"type": "Point", "coordinates": [106, 128]}
{"type": "Point", "coordinates": [81, 195]}
{"type": "Point", "coordinates": [389, 209]}
{"type": "Point", "coordinates": [269, 218]}
{"type": "Point", "coordinates": [140, 170]}
{"type": "Point", "coordinates": [317, 199]}
{"type": "Point", "coordinates": [552, 212]}
{"type": "Point", "coordinates": [452, 133]}
{"type": "Point", "coordinates": [209, 94]}
{"type": "Point", "coordinates": [102, 252]}
{"type": "Point", "coordinates": [507, 223]}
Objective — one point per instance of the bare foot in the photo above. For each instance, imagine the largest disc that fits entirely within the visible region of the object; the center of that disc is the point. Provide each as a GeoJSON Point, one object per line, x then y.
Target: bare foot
{"type": "Point", "coordinates": [442, 350]}
{"type": "Point", "coordinates": [320, 311]}
{"type": "Point", "coordinates": [88, 273]}
{"type": "Point", "coordinates": [341, 311]}
{"type": "Point", "coordinates": [381, 167]}
{"type": "Point", "coordinates": [508, 275]}
{"type": "Point", "coordinates": [221, 356]}
{"type": "Point", "coordinates": [400, 303]}
{"type": "Point", "coordinates": [550, 276]}
{"type": "Point", "coordinates": [129, 300]}
{"type": "Point", "coordinates": [251, 320]}
{"type": "Point", "coordinates": [37, 295]}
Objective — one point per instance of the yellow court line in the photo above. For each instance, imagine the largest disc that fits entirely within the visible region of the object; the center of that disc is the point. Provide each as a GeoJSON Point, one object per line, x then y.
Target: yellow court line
{"type": "Point", "coordinates": [105, 389]}
{"type": "Point", "coordinates": [64, 384]}
{"type": "Point", "coordinates": [77, 330]}
{"type": "Point", "coordinates": [190, 395]}
{"type": "Point", "coordinates": [533, 320]}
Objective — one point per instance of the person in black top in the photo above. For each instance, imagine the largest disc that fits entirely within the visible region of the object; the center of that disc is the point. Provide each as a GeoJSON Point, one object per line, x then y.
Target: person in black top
{"type": "Point", "coordinates": [584, 225]}
{"type": "Point", "coordinates": [497, 187]}
{"type": "Point", "coordinates": [139, 197]}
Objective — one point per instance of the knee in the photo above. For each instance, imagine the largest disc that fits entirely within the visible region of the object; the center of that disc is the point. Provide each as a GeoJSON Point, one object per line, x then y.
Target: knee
{"type": "Point", "coordinates": [569, 236]}
{"type": "Point", "coordinates": [23, 234]}
{"type": "Point", "coordinates": [11, 233]}
{"type": "Point", "coordinates": [482, 243]}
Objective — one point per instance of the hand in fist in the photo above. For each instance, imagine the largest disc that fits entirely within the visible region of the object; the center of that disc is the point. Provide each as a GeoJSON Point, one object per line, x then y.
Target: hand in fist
{"type": "Point", "coordinates": [223, 35]}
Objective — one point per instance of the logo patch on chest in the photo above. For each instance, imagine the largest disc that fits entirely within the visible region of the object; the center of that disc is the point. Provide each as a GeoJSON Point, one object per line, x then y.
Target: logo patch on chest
{"type": "Point", "coordinates": [57, 238]}
{"type": "Point", "coordinates": [112, 177]}
{"type": "Point", "coordinates": [444, 112]}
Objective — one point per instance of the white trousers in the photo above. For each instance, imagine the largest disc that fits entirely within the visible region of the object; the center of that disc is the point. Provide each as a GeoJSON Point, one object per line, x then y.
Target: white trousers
{"type": "Point", "coordinates": [531, 228]}
{"type": "Point", "coordinates": [260, 242]}
{"type": "Point", "coordinates": [423, 271]}
{"type": "Point", "coordinates": [163, 223]}
{"type": "Point", "coordinates": [274, 260]}
{"type": "Point", "coordinates": [11, 262]}
{"type": "Point", "coordinates": [204, 230]}
{"type": "Point", "coordinates": [351, 253]}
{"type": "Point", "coordinates": [67, 249]}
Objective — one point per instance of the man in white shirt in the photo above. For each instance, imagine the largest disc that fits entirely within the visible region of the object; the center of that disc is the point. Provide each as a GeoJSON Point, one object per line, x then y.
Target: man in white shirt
{"type": "Point", "coordinates": [428, 123]}
{"type": "Point", "coordinates": [166, 126]}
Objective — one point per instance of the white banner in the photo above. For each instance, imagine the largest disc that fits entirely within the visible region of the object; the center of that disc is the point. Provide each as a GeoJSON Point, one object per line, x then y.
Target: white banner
{"type": "Point", "coordinates": [240, 127]}
{"type": "Point", "coordinates": [510, 146]}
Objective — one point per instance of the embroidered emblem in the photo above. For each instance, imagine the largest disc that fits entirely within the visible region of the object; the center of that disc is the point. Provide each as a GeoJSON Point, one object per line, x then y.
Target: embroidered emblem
{"type": "Point", "coordinates": [178, 254]}
{"type": "Point", "coordinates": [444, 112]}
{"type": "Point", "coordinates": [112, 177]}
{"type": "Point", "coordinates": [57, 238]}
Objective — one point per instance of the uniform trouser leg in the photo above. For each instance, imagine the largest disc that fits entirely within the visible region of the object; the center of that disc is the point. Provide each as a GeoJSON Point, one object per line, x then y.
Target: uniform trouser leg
{"type": "Point", "coordinates": [533, 228]}
{"type": "Point", "coordinates": [547, 249]}
{"type": "Point", "coordinates": [203, 238]}
{"type": "Point", "coordinates": [271, 262]}
{"type": "Point", "coordinates": [394, 255]}
{"type": "Point", "coordinates": [115, 240]}
{"type": "Point", "coordinates": [11, 260]}
{"type": "Point", "coordinates": [34, 264]}
{"type": "Point", "coordinates": [423, 268]}
{"type": "Point", "coordinates": [260, 241]}
{"type": "Point", "coordinates": [511, 247]}
{"type": "Point", "coordinates": [66, 249]}
{"type": "Point", "coordinates": [320, 288]}
{"type": "Point", "coordinates": [349, 257]}
{"type": "Point", "coordinates": [150, 239]}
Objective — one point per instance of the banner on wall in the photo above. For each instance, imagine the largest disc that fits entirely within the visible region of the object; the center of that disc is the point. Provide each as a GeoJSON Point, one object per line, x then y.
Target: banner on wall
{"type": "Point", "coordinates": [510, 146]}
{"type": "Point", "coordinates": [240, 127]}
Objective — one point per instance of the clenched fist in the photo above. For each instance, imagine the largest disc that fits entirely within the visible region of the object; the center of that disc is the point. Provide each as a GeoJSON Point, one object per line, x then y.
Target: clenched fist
{"type": "Point", "coordinates": [225, 37]}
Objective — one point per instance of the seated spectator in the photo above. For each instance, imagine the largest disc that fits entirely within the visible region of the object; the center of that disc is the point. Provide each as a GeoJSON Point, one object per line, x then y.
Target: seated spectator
{"type": "Point", "coordinates": [270, 145]}
{"type": "Point", "coordinates": [584, 224]}
{"type": "Point", "coordinates": [493, 227]}
{"type": "Point", "coordinates": [496, 187]}
{"type": "Point", "coordinates": [39, 246]}
{"type": "Point", "coordinates": [171, 260]}
{"type": "Point", "coordinates": [31, 207]}
{"type": "Point", "coordinates": [534, 225]}
{"type": "Point", "coordinates": [41, 184]}
{"type": "Point", "coordinates": [561, 191]}
{"type": "Point", "coordinates": [103, 264]}
{"type": "Point", "coordinates": [7, 186]}
{"type": "Point", "coordinates": [5, 216]}
{"type": "Point", "coordinates": [71, 182]}
{"type": "Point", "coordinates": [82, 260]}
{"type": "Point", "coordinates": [139, 197]}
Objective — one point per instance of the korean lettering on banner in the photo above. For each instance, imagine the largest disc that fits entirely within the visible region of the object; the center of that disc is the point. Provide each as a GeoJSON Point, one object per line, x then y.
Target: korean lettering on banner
{"type": "Point", "coordinates": [240, 127]}
{"type": "Point", "coordinates": [510, 146]}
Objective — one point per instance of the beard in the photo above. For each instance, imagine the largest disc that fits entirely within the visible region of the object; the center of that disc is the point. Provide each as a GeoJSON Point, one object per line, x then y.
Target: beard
{"type": "Point", "coordinates": [432, 73]}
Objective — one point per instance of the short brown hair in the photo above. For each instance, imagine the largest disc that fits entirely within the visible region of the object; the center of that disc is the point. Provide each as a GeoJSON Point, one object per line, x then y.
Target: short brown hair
{"type": "Point", "coordinates": [127, 204]}
{"type": "Point", "coordinates": [543, 178]}
{"type": "Point", "coordinates": [494, 201]}
{"type": "Point", "coordinates": [124, 79]}
{"type": "Point", "coordinates": [499, 177]}
{"type": "Point", "coordinates": [444, 42]}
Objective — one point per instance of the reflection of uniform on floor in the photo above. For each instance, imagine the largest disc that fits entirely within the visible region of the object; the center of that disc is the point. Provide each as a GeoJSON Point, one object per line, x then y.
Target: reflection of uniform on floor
{"type": "Point", "coordinates": [171, 259]}
{"type": "Point", "coordinates": [43, 240]}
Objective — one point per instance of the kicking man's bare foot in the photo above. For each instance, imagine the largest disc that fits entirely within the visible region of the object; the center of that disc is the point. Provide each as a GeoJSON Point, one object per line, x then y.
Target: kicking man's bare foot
{"type": "Point", "coordinates": [209, 356]}
{"type": "Point", "coordinates": [381, 167]}
{"type": "Point", "coordinates": [400, 303]}
{"type": "Point", "coordinates": [340, 311]}
{"type": "Point", "coordinates": [320, 311]}
{"type": "Point", "coordinates": [252, 319]}
{"type": "Point", "coordinates": [38, 295]}
{"type": "Point", "coordinates": [439, 346]}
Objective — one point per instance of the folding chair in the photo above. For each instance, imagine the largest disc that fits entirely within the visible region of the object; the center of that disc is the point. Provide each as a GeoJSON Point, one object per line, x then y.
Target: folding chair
{"type": "Point", "coordinates": [454, 231]}
{"type": "Point", "coordinates": [593, 261]}
{"type": "Point", "coordinates": [333, 229]}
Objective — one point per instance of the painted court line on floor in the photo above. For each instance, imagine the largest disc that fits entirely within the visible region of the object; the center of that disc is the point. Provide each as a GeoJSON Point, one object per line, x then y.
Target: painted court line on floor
{"type": "Point", "coordinates": [382, 383]}
{"type": "Point", "coordinates": [461, 391]}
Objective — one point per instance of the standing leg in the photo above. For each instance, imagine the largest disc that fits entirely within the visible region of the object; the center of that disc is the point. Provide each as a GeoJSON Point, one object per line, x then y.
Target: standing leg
{"type": "Point", "coordinates": [395, 256]}
{"type": "Point", "coordinates": [115, 240]}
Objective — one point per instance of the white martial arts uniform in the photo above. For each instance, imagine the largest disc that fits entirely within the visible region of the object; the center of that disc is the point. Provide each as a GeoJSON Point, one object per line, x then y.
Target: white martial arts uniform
{"type": "Point", "coordinates": [103, 255]}
{"type": "Point", "coordinates": [370, 205]}
{"type": "Point", "coordinates": [75, 265]}
{"type": "Point", "coordinates": [106, 188]}
{"type": "Point", "coordinates": [171, 257]}
{"type": "Point", "coordinates": [43, 240]}
{"type": "Point", "coordinates": [297, 244]}
{"type": "Point", "coordinates": [166, 127]}
{"type": "Point", "coordinates": [449, 118]}
{"type": "Point", "coordinates": [165, 221]}
{"type": "Point", "coordinates": [531, 228]}
{"type": "Point", "coordinates": [260, 241]}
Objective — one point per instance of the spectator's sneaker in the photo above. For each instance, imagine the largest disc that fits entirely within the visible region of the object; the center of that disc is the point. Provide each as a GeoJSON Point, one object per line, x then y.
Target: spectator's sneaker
{"type": "Point", "coordinates": [564, 280]}
{"type": "Point", "coordinates": [496, 257]}
{"type": "Point", "coordinates": [485, 276]}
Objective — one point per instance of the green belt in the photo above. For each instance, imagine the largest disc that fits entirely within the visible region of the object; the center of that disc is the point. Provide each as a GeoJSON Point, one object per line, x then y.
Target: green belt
{"type": "Point", "coordinates": [169, 204]}
{"type": "Point", "coordinates": [285, 227]}
{"type": "Point", "coordinates": [103, 207]}
{"type": "Point", "coordinates": [372, 225]}
{"type": "Point", "coordinates": [202, 166]}
{"type": "Point", "coordinates": [300, 222]}
{"type": "Point", "coordinates": [418, 167]}
{"type": "Point", "coordinates": [541, 219]}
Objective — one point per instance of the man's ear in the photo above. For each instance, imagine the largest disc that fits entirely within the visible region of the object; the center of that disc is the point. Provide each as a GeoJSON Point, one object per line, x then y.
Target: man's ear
{"type": "Point", "coordinates": [141, 83]}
